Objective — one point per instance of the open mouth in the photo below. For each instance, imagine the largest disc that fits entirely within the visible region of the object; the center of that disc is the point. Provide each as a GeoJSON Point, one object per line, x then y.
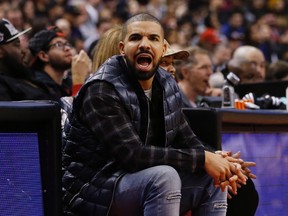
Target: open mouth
{"type": "Point", "coordinates": [144, 62]}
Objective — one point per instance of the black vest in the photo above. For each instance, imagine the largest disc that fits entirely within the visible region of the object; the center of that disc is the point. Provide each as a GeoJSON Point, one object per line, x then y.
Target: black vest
{"type": "Point", "coordinates": [80, 147]}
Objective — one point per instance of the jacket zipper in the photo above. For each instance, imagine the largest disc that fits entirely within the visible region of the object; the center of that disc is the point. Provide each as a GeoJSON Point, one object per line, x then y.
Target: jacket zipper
{"type": "Point", "coordinates": [148, 122]}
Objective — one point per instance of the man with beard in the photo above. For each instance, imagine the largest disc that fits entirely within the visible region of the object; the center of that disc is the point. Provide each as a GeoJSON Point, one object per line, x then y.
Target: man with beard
{"type": "Point", "coordinates": [170, 57]}
{"type": "Point", "coordinates": [16, 80]}
{"type": "Point", "coordinates": [129, 150]}
{"type": "Point", "coordinates": [55, 63]}
{"type": "Point", "coordinates": [52, 58]}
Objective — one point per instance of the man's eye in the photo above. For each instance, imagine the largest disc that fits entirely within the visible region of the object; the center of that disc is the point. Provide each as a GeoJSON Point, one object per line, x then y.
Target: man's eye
{"type": "Point", "coordinates": [17, 43]}
{"type": "Point", "coordinates": [134, 37]}
{"type": "Point", "coordinates": [163, 63]}
{"type": "Point", "coordinates": [154, 38]}
{"type": "Point", "coordinates": [263, 65]}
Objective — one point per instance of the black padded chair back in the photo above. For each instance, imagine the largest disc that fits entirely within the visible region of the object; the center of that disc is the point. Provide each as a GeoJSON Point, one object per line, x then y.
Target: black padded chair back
{"type": "Point", "coordinates": [206, 124]}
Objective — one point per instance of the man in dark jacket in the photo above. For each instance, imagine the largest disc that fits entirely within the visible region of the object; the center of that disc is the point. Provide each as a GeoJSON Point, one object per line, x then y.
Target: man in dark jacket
{"type": "Point", "coordinates": [129, 149]}
{"type": "Point", "coordinates": [16, 80]}
{"type": "Point", "coordinates": [52, 59]}
{"type": "Point", "coordinates": [56, 63]}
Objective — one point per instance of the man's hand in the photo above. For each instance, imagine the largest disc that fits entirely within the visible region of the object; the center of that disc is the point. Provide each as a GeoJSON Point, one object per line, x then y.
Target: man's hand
{"type": "Point", "coordinates": [224, 172]}
{"type": "Point", "coordinates": [235, 158]}
{"type": "Point", "coordinates": [81, 68]}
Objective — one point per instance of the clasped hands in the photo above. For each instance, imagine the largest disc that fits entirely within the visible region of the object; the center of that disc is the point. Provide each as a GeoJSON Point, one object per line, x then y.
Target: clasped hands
{"type": "Point", "coordinates": [240, 172]}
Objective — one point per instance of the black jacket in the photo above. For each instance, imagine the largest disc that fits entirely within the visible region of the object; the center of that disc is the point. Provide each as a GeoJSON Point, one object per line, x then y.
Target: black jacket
{"type": "Point", "coordinates": [12, 89]}
{"type": "Point", "coordinates": [59, 90]}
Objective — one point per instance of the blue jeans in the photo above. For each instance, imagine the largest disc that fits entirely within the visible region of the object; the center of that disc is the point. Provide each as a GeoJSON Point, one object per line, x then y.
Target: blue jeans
{"type": "Point", "coordinates": [159, 190]}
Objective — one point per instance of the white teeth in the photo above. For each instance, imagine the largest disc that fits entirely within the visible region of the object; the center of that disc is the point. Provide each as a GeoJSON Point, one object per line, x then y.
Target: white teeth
{"type": "Point", "coordinates": [145, 64]}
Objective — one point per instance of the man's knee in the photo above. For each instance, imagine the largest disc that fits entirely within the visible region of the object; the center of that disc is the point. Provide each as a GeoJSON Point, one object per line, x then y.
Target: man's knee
{"type": "Point", "coordinates": [168, 182]}
{"type": "Point", "coordinates": [166, 176]}
{"type": "Point", "coordinates": [167, 173]}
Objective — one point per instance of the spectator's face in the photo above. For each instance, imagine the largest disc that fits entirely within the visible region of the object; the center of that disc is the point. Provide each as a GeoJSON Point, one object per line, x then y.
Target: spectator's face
{"type": "Point", "coordinates": [198, 74]}
{"type": "Point", "coordinates": [143, 48]}
{"type": "Point", "coordinates": [13, 51]}
{"type": "Point", "coordinates": [167, 63]}
{"type": "Point", "coordinates": [236, 20]}
{"type": "Point", "coordinates": [27, 57]}
{"type": "Point", "coordinates": [12, 55]}
{"type": "Point", "coordinates": [59, 53]}
{"type": "Point", "coordinates": [254, 69]}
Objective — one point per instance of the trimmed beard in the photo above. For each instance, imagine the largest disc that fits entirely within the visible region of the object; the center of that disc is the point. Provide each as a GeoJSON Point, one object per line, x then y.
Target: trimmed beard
{"type": "Point", "coordinates": [16, 69]}
{"type": "Point", "coordinates": [60, 64]}
{"type": "Point", "coordinates": [139, 75]}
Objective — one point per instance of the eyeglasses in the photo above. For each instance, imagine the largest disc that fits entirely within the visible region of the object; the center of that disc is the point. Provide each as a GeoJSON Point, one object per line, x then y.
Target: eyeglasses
{"type": "Point", "coordinates": [60, 45]}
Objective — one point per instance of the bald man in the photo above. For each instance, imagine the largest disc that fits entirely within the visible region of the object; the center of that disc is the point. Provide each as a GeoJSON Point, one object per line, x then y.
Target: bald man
{"type": "Point", "coordinates": [249, 64]}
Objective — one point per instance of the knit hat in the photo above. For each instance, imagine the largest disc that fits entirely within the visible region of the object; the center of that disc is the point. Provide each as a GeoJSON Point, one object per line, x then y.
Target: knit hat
{"type": "Point", "coordinates": [177, 54]}
{"type": "Point", "coordinates": [42, 38]}
{"type": "Point", "coordinates": [8, 32]}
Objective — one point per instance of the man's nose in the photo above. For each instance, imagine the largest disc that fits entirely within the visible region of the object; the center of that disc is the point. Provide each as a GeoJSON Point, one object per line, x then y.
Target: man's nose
{"type": "Point", "coordinates": [171, 69]}
{"type": "Point", "coordinates": [145, 43]}
{"type": "Point", "coordinates": [209, 70]}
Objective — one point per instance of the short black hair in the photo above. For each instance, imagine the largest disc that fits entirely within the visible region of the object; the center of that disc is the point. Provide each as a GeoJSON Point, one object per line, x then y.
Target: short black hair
{"type": "Point", "coordinates": [140, 17]}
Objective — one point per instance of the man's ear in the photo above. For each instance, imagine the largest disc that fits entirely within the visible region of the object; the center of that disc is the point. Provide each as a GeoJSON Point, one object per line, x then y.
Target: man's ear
{"type": "Point", "coordinates": [184, 72]}
{"type": "Point", "coordinates": [43, 56]}
{"type": "Point", "coordinates": [121, 48]}
{"type": "Point", "coordinates": [165, 46]}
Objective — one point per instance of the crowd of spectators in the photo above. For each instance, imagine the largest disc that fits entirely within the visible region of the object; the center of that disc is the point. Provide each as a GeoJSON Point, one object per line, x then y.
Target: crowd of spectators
{"type": "Point", "coordinates": [260, 23]}
{"type": "Point", "coordinates": [187, 23]}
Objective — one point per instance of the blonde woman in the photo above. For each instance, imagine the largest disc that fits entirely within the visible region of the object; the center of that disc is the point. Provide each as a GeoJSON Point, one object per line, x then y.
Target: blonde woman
{"type": "Point", "coordinates": [106, 47]}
